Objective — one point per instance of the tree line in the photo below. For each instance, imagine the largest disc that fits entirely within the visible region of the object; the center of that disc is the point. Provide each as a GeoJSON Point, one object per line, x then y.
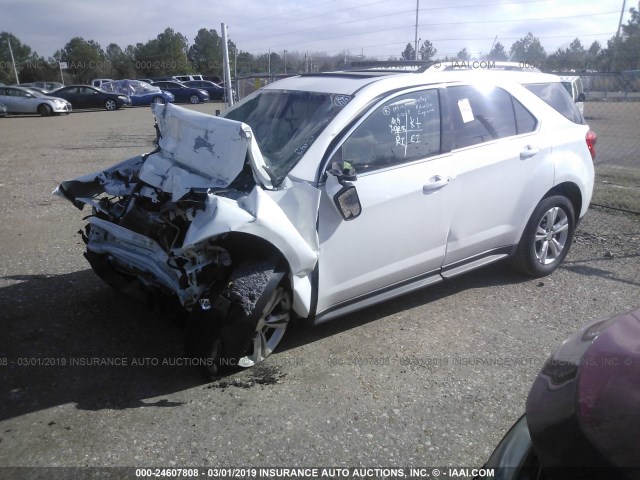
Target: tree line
{"type": "Point", "coordinates": [170, 53]}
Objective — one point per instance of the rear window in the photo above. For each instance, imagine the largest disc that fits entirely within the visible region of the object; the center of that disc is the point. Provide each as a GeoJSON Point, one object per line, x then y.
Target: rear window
{"type": "Point", "coordinates": [555, 95]}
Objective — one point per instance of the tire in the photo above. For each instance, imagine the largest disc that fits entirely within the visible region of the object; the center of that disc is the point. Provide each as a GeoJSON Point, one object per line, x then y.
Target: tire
{"type": "Point", "coordinates": [194, 99]}
{"type": "Point", "coordinates": [45, 110]}
{"type": "Point", "coordinates": [547, 237]}
{"type": "Point", "coordinates": [246, 331]}
{"type": "Point", "coordinates": [270, 329]}
{"type": "Point", "coordinates": [158, 100]}
{"type": "Point", "coordinates": [110, 104]}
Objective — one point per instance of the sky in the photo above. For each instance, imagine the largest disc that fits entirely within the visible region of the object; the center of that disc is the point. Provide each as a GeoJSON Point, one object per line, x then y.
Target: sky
{"type": "Point", "coordinates": [374, 28]}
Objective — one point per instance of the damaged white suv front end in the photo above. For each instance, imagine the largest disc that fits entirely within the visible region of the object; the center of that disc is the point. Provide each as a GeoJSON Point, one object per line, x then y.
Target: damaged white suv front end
{"type": "Point", "coordinates": [199, 220]}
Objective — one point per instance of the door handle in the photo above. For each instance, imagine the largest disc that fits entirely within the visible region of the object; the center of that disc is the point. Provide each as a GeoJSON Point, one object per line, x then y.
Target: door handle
{"type": "Point", "coordinates": [436, 183]}
{"type": "Point", "coordinates": [528, 152]}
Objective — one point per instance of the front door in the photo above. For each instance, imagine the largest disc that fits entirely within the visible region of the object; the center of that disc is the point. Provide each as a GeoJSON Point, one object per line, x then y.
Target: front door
{"type": "Point", "coordinates": [402, 186]}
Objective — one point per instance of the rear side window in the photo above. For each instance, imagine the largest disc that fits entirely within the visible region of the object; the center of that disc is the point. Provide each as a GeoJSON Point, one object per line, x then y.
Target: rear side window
{"type": "Point", "coordinates": [555, 95]}
{"type": "Point", "coordinates": [485, 115]}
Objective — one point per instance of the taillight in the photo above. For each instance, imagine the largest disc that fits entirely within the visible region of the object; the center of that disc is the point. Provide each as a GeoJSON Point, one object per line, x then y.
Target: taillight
{"type": "Point", "coordinates": [591, 139]}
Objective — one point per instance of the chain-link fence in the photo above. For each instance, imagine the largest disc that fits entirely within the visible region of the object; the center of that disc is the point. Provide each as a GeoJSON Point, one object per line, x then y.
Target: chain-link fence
{"type": "Point", "coordinates": [612, 109]}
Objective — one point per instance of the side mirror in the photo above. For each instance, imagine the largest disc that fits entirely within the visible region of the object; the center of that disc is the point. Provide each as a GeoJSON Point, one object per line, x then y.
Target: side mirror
{"type": "Point", "coordinates": [343, 193]}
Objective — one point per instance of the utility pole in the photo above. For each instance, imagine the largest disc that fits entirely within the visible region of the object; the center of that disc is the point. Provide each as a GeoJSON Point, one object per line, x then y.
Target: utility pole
{"type": "Point", "coordinates": [269, 65]}
{"type": "Point", "coordinates": [227, 71]}
{"type": "Point", "coordinates": [615, 50]}
{"type": "Point", "coordinates": [306, 65]}
{"type": "Point", "coordinates": [285, 62]}
{"type": "Point", "coordinates": [417, 10]}
{"type": "Point", "coordinates": [12, 59]}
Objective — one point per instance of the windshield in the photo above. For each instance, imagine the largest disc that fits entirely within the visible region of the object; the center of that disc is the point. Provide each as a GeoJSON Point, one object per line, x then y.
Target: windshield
{"type": "Point", "coordinates": [286, 123]}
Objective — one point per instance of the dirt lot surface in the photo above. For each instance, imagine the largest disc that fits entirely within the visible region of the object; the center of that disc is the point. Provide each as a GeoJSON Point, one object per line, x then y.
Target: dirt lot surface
{"type": "Point", "coordinates": [434, 378]}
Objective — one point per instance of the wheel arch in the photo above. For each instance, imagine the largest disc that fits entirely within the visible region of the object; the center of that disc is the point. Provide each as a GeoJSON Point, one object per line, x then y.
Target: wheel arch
{"type": "Point", "coordinates": [572, 192]}
{"type": "Point", "coordinates": [244, 246]}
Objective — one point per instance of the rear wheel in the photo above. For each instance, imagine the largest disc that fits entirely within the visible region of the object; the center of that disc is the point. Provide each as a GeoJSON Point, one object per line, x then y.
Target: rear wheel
{"type": "Point", "coordinates": [547, 237]}
{"type": "Point", "coordinates": [194, 99]}
{"type": "Point", "coordinates": [110, 104]}
{"type": "Point", "coordinates": [45, 110]}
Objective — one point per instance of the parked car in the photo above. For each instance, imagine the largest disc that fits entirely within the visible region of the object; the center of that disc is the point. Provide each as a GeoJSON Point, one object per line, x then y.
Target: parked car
{"type": "Point", "coordinates": [140, 93]}
{"type": "Point", "coordinates": [84, 96]}
{"type": "Point", "coordinates": [582, 417]}
{"type": "Point", "coordinates": [41, 91]}
{"type": "Point", "coordinates": [182, 93]}
{"type": "Point", "coordinates": [322, 194]}
{"type": "Point", "coordinates": [573, 84]}
{"type": "Point", "coordinates": [23, 100]}
{"type": "Point", "coordinates": [48, 86]}
{"type": "Point", "coordinates": [215, 91]}
{"type": "Point", "coordinates": [45, 86]}
{"type": "Point", "coordinates": [187, 78]}
{"type": "Point", "coordinates": [97, 82]}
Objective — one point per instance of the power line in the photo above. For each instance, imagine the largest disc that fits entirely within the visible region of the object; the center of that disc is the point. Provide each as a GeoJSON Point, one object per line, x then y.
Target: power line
{"type": "Point", "coordinates": [401, 44]}
{"type": "Point", "coordinates": [403, 27]}
{"type": "Point", "coordinates": [260, 19]}
{"type": "Point", "coordinates": [324, 14]}
{"type": "Point", "coordinates": [386, 15]}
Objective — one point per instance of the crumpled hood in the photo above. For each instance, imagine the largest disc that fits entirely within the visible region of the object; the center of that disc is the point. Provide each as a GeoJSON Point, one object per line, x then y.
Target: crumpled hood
{"type": "Point", "coordinates": [200, 150]}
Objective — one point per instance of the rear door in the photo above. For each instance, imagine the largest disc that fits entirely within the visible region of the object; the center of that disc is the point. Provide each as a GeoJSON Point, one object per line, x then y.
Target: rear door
{"type": "Point", "coordinates": [501, 168]}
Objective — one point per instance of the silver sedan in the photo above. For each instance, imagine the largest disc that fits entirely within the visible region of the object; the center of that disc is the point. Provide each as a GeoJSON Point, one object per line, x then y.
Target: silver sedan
{"type": "Point", "coordinates": [23, 100]}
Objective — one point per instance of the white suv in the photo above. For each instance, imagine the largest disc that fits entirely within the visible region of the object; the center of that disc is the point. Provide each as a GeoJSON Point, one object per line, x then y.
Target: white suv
{"type": "Point", "coordinates": [323, 194]}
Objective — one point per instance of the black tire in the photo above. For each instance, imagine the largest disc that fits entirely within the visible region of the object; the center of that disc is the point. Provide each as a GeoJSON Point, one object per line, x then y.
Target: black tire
{"type": "Point", "coordinates": [158, 100]}
{"type": "Point", "coordinates": [194, 99]}
{"type": "Point", "coordinates": [547, 237]}
{"type": "Point", "coordinates": [224, 335]}
{"type": "Point", "coordinates": [111, 105]}
{"type": "Point", "coordinates": [45, 110]}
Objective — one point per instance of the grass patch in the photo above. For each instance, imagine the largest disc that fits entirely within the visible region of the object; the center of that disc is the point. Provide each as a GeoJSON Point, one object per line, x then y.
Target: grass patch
{"type": "Point", "coordinates": [617, 187]}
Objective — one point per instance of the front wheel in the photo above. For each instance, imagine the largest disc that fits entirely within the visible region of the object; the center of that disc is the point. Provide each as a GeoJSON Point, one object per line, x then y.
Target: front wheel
{"type": "Point", "coordinates": [547, 237]}
{"type": "Point", "coordinates": [45, 110]}
{"type": "Point", "coordinates": [242, 325]}
{"type": "Point", "coordinates": [270, 329]}
{"type": "Point", "coordinates": [110, 105]}
{"type": "Point", "coordinates": [158, 100]}
{"type": "Point", "coordinates": [194, 99]}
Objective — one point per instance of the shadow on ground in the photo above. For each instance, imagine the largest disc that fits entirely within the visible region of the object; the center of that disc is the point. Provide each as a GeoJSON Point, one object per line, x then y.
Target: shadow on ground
{"type": "Point", "coordinates": [72, 339]}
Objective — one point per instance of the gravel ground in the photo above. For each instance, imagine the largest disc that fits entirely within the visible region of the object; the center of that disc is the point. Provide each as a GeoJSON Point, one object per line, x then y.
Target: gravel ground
{"type": "Point", "coordinates": [434, 378]}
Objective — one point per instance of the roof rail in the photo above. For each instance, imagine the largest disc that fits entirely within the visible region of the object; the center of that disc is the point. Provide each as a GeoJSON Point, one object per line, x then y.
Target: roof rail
{"type": "Point", "coordinates": [417, 66]}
